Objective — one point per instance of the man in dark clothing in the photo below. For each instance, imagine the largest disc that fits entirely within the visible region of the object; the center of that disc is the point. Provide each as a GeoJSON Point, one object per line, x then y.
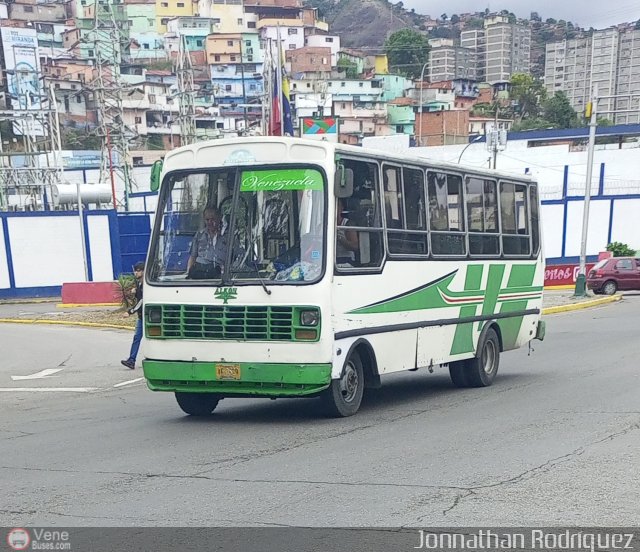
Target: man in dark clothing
{"type": "Point", "coordinates": [138, 271]}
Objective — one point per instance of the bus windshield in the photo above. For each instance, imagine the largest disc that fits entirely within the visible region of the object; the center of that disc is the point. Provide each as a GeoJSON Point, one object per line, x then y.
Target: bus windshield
{"type": "Point", "coordinates": [234, 225]}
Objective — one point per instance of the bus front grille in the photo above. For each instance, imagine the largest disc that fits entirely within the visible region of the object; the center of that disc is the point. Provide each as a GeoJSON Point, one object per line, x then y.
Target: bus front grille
{"type": "Point", "coordinates": [227, 322]}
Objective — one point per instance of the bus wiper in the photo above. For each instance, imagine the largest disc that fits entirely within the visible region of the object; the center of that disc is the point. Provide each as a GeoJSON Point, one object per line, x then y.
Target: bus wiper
{"type": "Point", "coordinates": [264, 286]}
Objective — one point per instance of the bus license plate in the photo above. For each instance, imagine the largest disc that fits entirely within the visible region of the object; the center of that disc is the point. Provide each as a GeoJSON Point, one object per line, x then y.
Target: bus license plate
{"type": "Point", "coordinates": [228, 371]}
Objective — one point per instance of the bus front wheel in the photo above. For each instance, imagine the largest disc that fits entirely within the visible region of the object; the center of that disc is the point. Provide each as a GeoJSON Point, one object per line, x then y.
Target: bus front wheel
{"type": "Point", "coordinates": [197, 404]}
{"type": "Point", "coordinates": [481, 370]}
{"type": "Point", "coordinates": [344, 395]}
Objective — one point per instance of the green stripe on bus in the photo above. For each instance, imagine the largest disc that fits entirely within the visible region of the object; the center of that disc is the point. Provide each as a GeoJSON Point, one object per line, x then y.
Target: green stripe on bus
{"type": "Point", "coordinates": [463, 338]}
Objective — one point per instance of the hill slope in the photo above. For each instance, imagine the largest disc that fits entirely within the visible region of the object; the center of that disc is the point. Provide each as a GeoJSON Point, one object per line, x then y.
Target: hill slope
{"type": "Point", "coordinates": [363, 23]}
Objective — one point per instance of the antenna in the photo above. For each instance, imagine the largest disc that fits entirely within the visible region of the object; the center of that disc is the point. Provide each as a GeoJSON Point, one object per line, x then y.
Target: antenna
{"type": "Point", "coordinates": [109, 43]}
{"type": "Point", "coordinates": [186, 94]}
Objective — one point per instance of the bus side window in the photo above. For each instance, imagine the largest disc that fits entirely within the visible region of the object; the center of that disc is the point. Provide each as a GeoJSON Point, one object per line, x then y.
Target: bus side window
{"type": "Point", "coordinates": [363, 216]}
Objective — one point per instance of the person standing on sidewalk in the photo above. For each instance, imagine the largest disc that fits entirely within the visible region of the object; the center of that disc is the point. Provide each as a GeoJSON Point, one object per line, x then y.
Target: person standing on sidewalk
{"type": "Point", "coordinates": [138, 272]}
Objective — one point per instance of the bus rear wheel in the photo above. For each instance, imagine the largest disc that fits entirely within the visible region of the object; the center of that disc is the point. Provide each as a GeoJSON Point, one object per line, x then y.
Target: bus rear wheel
{"type": "Point", "coordinates": [344, 396]}
{"type": "Point", "coordinates": [481, 370]}
{"type": "Point", "coordinates": [197, 404]}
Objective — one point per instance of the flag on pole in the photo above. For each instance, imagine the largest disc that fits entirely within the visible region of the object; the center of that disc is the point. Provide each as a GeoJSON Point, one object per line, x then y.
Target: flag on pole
{"type": "Point", "coordinates": [281, 120]}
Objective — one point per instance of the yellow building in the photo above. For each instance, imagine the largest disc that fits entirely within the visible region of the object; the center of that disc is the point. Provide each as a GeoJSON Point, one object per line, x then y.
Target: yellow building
{"type": "Point", "coordinates": [381, 64]}
{"type": "Point", "coordinates": [167, 9]}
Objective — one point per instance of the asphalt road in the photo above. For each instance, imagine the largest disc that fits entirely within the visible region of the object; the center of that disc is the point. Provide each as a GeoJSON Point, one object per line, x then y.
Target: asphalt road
{"type": "Point", "coordinates": [555, 441]}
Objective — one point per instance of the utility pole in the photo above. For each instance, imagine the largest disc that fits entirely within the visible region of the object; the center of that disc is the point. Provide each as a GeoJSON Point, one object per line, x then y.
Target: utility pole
{"type": "Point", "coordinates": [109, 43]}
{"type": "Point", "coordinates": [186, 94]}
{"type": "Point", "coordinates": [495, 139]}
{"type": "Point", "coordinates": [592, 110]}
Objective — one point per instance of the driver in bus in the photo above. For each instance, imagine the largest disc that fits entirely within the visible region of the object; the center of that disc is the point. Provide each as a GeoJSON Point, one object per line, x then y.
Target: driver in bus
{"type": "Point", "coordinates": [208, 248]}
{"type": "Point", "coordinates": [347, 240]}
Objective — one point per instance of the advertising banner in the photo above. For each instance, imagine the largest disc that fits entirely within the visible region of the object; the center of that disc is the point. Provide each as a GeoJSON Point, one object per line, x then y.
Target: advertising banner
{"type": "Point", "coordinates": [320, 128]}
{"type": "Point", "coordinates": [24, 85]}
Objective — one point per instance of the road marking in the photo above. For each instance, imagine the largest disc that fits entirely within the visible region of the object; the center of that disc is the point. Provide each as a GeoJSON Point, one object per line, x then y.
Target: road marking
{"type": "Point", "coordinates": [38, 375]}
{"type": "Point", "coordinates": [122, 384]}
{"type": "Point", "coordinates": [49, 389]}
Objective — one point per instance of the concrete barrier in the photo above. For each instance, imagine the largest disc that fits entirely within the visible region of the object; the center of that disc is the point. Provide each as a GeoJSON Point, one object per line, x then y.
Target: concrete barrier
{"type": "Point", "coordinates": [90, 293]}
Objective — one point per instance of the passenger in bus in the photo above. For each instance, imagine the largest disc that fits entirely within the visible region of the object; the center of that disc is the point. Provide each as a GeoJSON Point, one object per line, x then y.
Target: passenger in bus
{"type": "Point", "coordinates": [208, 248]}
{"type": "Point", "coordinates": [347, 240]}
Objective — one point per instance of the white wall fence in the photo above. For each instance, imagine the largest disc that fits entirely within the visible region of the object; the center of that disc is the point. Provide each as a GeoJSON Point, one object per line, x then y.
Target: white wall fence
{"type": "Point", "coordinates": [39, 251]}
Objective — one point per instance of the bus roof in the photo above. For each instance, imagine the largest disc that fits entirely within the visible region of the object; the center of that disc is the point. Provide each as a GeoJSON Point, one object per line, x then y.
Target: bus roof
{"type": "Point", "coordinates": [407, 158]}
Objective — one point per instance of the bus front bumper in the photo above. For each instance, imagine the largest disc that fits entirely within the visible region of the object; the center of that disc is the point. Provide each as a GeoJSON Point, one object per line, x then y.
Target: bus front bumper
{"type": "Point", "coordinates": [237, 379]}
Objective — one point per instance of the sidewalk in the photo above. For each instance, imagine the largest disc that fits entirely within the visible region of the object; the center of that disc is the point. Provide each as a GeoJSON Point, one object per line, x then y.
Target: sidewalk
{"type": "Point", "coordinates": [556, 301]}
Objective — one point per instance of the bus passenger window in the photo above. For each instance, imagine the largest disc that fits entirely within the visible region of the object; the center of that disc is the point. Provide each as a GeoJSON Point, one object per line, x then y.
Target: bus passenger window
{"type": "Point", "coordinates": [361, 214]}
{"type": "Point", "coordinates": [446, 214]}
{"type": "Point", "coordinates": [515, 219]}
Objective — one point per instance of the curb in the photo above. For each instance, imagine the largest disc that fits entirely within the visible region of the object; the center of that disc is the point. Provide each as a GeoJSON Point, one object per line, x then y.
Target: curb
{"type": "Point", "coordinates": [64, 323]}
{"type": "Point", "coordinates": [74, 305]}
{"type": "Point", "coordinates": [34, 300]}
{"type": "Point", "coordinates": [582, 305]}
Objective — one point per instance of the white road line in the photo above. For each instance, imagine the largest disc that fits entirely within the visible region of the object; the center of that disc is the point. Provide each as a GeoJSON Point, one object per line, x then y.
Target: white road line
{"type": "Point", "coordinates": [122, 384]}
{"type": "Point", "coordinates": [38, 375]}
{"type": "Point", "coordinates": [48, 389]}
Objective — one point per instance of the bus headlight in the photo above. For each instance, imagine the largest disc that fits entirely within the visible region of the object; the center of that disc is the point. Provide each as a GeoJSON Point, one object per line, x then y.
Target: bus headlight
{"type": "Point", "coordinates": [154, 315]}
{"type": "Point", "coordinates": [310, 317]}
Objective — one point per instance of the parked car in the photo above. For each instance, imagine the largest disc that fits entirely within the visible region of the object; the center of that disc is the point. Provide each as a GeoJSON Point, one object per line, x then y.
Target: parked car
{"type": "Point", "coordinates": [611, 275]}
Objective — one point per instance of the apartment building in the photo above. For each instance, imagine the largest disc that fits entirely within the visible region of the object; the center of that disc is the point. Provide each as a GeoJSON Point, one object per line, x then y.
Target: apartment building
{"type": "Point", "coordinates": [449, 62]}
{"type": "Point", "coordinates": [502, 49]}
{"type": "Point", "coordinates": [610, 60]}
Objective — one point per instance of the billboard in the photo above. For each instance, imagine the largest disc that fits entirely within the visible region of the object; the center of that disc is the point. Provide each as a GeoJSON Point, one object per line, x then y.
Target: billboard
{"type": "Point", "coordinates": [22, 66]}
{"type": "Point", "coordinates": [319, 128]}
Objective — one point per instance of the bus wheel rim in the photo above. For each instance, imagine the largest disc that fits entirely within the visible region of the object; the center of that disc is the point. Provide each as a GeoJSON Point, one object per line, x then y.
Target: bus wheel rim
{"type": "Point", "coordinates": [489, 356]}
{"type": "Point", "coordinates": [349, 383]}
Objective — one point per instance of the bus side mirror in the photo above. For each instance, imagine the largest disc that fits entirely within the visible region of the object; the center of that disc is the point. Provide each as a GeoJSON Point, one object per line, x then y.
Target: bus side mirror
{"type": "Point", "coordinates": [156, 171]}
{"type": "Point", "coordinates": [343, 182]}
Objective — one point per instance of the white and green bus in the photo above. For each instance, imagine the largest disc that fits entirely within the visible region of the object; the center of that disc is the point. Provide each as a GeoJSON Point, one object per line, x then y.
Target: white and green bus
{"type": "Point", "coordinates": [334, 266]}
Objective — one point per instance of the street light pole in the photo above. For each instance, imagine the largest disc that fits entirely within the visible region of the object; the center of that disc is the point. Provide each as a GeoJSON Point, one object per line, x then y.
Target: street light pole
{"type": "Point", "coordinates": [581, 280]}
{"type": "Point", "coordinates": [476, 139]}
{"type": "Point", "coordinates": [421, 108]}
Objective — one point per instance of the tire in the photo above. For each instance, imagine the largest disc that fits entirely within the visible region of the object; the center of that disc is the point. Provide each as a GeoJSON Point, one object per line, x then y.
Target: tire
{"type": "Point", "coordinates": [344, 395]}
{"type": "Point", "coordinates": [458, 373]}
{"type": "Point", "coordinates": [610, 287]}
{"type": "Point", "coordinates": [482, 370]}
{"type": "Point", "coordinates": [197, 404]}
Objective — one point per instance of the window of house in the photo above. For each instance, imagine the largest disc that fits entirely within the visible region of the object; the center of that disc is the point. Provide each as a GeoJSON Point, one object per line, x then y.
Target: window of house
{"type": "Point", "coordinates": [232, 58]}
{"type": "Point", "coordinates": [180, 4]}
{"type": "Point", "coordinates": [251, 24]}
{"type": "Point", "coordinates": [152, 98]}
{"type": "Point", "coordinates": [482, 216]}
{"type": "Point", "coordinates": [227, 87]}
{"type": "Point", "coordinates": [90, 53]}
{"type": "Point", "coordinates": [199, 43]}
{"type": "Point", "coordinates": [164, 4]}
{"type": "Point", "coordinates": [446, 218]}
{"type": "Point", "coordinates": [293, 31]}
{"type": "Point", "coordinates": [328, 39]}
{"type": "Point", "coordinates": [216, 58]}
{"type": "Point", "coordinates": [239, 20]}
{"type": "Point", "coordinates": [164, 21]}
{"type": "Point", "coordinates": [292, 46]}
{"type": "Point", "coordinates": [229, 42]}
{"type": "Point", "coordinates": [405, 211]}
{"type": "Point", "coordinates": [28, 9]}
{"type": "Point", "coordinates": [138, 120]}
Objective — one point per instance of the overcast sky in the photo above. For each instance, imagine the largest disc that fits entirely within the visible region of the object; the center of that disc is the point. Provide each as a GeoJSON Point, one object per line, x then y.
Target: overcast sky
{"type": "Point", "coordinates": [586, 13]}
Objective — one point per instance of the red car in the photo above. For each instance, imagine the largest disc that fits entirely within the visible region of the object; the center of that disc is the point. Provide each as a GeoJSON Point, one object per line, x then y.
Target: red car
{"type": "Point", "coordinates": [611, 275]}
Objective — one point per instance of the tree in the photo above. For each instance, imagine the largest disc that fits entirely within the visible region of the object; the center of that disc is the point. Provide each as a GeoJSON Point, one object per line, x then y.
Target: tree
{"type": "Point", "coordinates": [455, 19]}
{"type": "Point", "coordinates": [349, 67]}
{"type": "Point", "coordinates": [444, 17]}
{"type": "Point", "coordinates": [408, 51]}
{"type": "Point", "coordinates": [558, 111]}
{"type": "Point", "coordinates": [527, 94]}
{"type": "Point", "coordinates": [637, 25]}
